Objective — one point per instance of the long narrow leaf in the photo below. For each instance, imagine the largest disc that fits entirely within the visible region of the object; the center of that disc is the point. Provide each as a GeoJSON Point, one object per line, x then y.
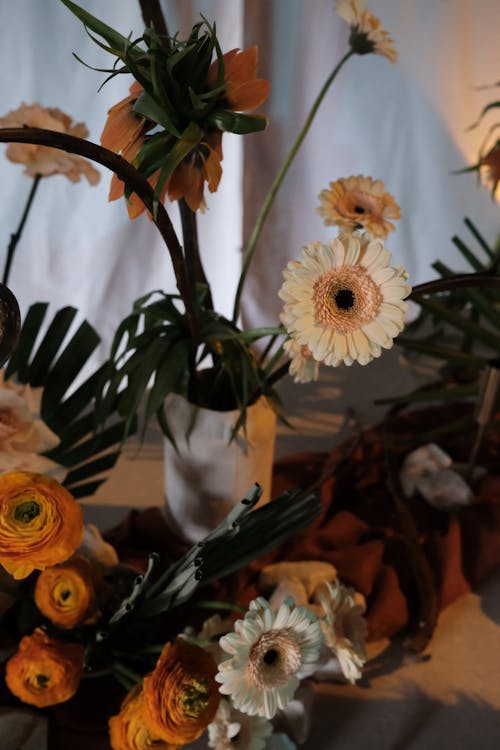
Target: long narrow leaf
{"type": "Point", "coordinates": [50, 344]}
{"type": "Point", "coordinates": [18, 362]}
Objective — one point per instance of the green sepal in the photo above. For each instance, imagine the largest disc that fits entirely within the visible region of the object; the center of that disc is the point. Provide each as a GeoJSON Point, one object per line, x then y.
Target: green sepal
{"type": "Point", "coordinates": [117, 42]}
{"type": "Point", "coordinates": [147, 107]}
{"type": "Point", "coordinates": [235, 122]}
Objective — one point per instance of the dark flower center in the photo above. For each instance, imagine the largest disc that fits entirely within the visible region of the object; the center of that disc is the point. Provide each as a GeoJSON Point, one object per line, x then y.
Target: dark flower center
{"type": "Point", "coordinates": [65, 594]}
{"type": "Point", "coordinates": [42, 680]}
{"type": "Point", "coordinates": [27, 511]}
{"type": "Point", "coordinates": [344, 299]}
{"type": "Point", "coordinates": [271, 656]}
{"type": "Point", "coordinates": [359, 210]}
{"type": "Point", "coordinates": [194, 697]}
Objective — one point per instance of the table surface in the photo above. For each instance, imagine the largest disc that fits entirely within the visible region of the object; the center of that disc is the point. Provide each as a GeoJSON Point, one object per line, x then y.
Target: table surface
{"type": "Point", "coordinates": [449, 700]}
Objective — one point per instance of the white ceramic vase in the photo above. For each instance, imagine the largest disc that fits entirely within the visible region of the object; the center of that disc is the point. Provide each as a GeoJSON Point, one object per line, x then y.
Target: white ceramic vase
{"type": "Point", "coordinates": [208, 474]}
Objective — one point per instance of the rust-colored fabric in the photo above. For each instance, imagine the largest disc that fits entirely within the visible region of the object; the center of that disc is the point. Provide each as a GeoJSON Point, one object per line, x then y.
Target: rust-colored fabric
{"type": "Point", "coordinates": [359, 531]}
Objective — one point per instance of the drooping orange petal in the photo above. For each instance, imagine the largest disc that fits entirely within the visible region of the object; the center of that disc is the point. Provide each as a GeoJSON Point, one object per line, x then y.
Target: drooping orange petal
{"type": "Point", "coordinates": [249, 95]}
{"type": "Point", "coordinates": [242, 66]}
{"type": "Point", "coordinates": [123, 126]}
{"type": "Point", "coordinates": [186, 182]}
{"type": "Point", "coordinates": [213, 171]}
{"type": "Point", "coordinates": [244, 90]}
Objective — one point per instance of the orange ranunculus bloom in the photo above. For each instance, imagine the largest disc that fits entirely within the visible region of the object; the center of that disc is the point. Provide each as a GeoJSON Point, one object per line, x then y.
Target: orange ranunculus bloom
{"type": "Point", "coordinates": [44, 160]}
{"type": "Point", "coordinates": [129, 731]}
{"type": "Point", "coordinates": [202, 164]}
{"type": "Point", "coordinates": [244, 90]}
{"type": "Point", "coordinates": [40, 523]}
{"type": "Point", "coordinates": [66, 594]}
{"type": "Point", "coordinates": [44, 671]}
{"type": "Point", "coordinates": [181, 695]}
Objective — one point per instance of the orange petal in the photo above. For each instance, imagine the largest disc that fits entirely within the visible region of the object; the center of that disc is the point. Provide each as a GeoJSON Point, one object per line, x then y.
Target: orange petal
{"type": "Point", "coordinates": [213, 171]}
{"type": "Point", "coordinates": [242, 66]}
{"type": "Point", "coordinates": [249, 95]}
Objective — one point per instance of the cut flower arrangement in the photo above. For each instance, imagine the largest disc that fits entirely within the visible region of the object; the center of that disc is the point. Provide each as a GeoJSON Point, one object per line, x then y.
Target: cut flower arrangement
{"type": "Point", "coordinates": [76, 609]}
{"type": "Point", "coordinates": [343, 300]}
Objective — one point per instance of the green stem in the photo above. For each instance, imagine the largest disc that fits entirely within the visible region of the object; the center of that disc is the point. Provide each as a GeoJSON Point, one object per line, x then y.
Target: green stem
{"type": "Point", "coordinates": [14, 238]}
{"type": "Point", "coordinates": [269, 199]}
{"type": "Point", "coordinates": [194, 266]}
{"type": "Point", "coordinates": [130, 176]}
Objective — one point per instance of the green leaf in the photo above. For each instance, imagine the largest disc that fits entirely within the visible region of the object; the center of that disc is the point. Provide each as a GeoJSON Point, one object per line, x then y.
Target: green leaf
{"type": "Point", "coordinates": [19, 359]}
{"type": "Point", "coordinates": [91, 468]}
{"type": "Point", "coordinates": [463, 324]}
{"type": "Point", "coordinates": [118, 42]}
{"type": "Point", "coordinates": [50, 344]}
{"type": "Point", "coordinates": [469, 256]}
{"type": "Point", "coordinates": [480, 239]}
{"type": "Point", "coordinates": [67, 367]}
{"type": "Point", "coordinates": [484, 111]}
{"type": "Point", "coordinates": [146, 106]}
{"type": "Point", "coordinates": [172, 374]}
{"type": "Point", "coordinates": [79, 400]}
{"type": "Point", "coordinates": [234, 122]}
{"type": "Point", "coordinates": [441, 352]}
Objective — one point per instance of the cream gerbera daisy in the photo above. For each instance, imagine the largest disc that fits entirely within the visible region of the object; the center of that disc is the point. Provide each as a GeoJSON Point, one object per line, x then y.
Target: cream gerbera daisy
{"type": "Point", "coordinates": [344, 628]}
{"type": "Point", "coordinates": [366, 32]}
{"type": "Point", "coordinates": [359, 202]}
{"type": "Point", "coordinates": [303, 366]}
{"type": "Point", "coordinates": [233, 730]}
{"type": "Point", "coordinates": [343, 300]}
{"type": "Point", "coordinates": [268, 651]}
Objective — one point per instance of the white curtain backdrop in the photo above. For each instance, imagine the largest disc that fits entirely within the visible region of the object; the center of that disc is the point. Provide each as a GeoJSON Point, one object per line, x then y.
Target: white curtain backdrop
{"type": "Point", "coordinates": [404, 123]}
{"type": "Point", "coordinates": [77, 248]}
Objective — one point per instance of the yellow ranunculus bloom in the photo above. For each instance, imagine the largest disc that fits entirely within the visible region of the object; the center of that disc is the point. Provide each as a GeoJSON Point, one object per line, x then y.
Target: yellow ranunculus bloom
{"type": "Point", "coordinates": [40, 523]}
{"type": "Point", "coordinates": [66, 594]}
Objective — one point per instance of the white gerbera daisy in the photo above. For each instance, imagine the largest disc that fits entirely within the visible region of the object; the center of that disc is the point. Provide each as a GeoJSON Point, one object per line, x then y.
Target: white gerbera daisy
{"type": "Point", "coordinates": [303, 366]}
{"type": "Point", "coordinates": [343, 300]}
{"type": "Point", "coordinates": [344, 628]}
{"type": "Point", "coordinates": [233, 730]}
{"type": "Point", "coordinates": [268, 651]}
{"type": "Point", "coordinates": [367, 34]}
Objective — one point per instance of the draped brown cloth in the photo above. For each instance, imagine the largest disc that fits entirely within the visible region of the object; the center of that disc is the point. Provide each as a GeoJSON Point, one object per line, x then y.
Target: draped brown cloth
{"type": "Point", "coordinates": [358, 531]}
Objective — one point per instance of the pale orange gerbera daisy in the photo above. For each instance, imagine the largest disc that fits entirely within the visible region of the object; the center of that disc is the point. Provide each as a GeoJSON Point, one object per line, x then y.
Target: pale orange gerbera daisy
{"type": "Point", "coordinates": [367, 34]}
{"type": "Point", "coordinates": [44, 160]}
{"type": "Point", "coordinates": [343, 300]}
{"type": "Point", "coordinates": [359, 202]}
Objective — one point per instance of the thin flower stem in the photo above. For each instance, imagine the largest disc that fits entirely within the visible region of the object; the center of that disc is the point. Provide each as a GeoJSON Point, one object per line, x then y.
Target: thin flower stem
{"type": "Point", "coordinates": [14, 238]}
{"type": "Point", "coordinates": [194, 266]}
{"type": "Point", "coordinates": [269, 199]}
{"type": "Point", "coordinates": [128, 174]}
